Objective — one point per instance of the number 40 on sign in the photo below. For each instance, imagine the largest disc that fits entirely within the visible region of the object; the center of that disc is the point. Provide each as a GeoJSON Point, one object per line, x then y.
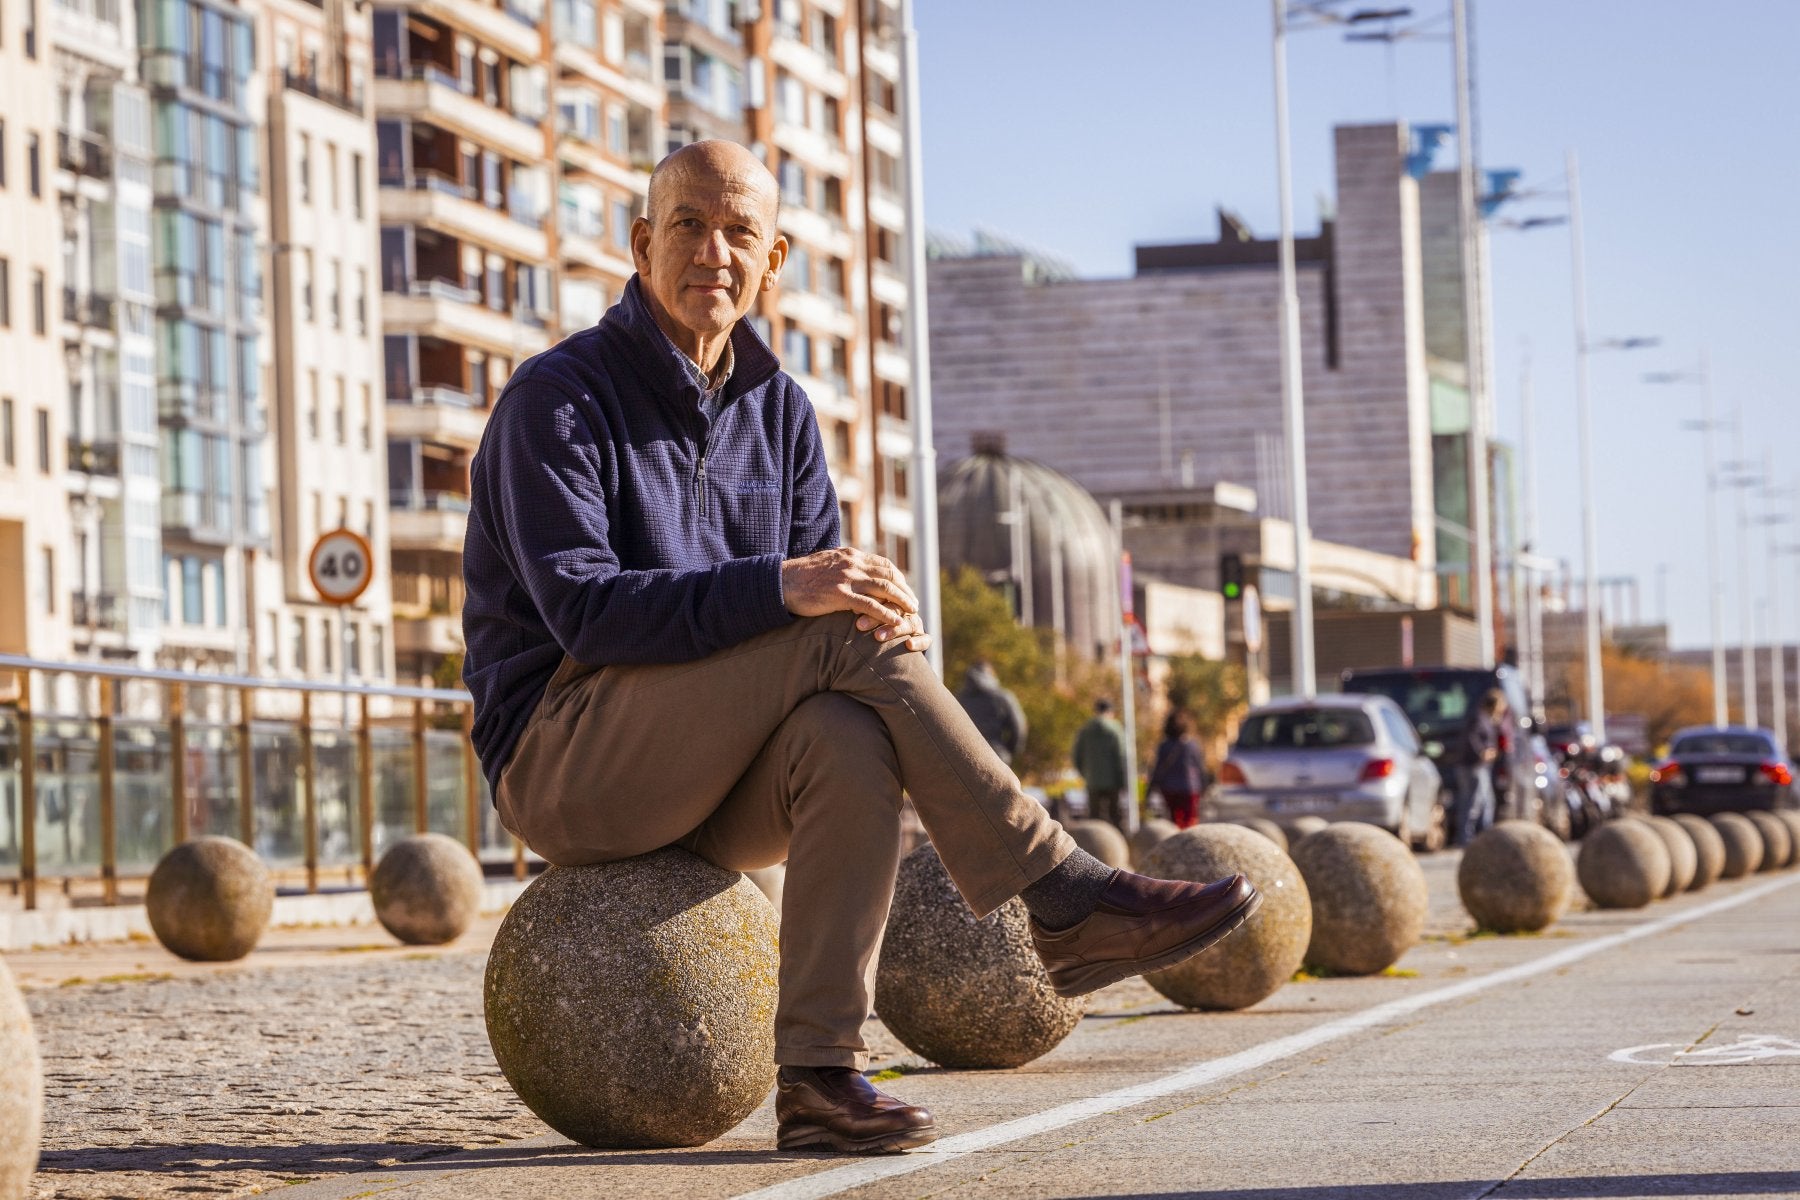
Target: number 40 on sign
{"type": "Point", "coordinates": [341, 566]}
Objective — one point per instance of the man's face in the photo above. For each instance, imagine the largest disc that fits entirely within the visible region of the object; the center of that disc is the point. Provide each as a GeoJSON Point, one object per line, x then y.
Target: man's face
{"type": "Point", "coordinates": [709, 247]}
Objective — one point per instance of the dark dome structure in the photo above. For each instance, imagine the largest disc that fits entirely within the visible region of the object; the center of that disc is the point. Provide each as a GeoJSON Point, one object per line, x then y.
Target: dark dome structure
{"type": "Point", "coordinates": [1063, 563]}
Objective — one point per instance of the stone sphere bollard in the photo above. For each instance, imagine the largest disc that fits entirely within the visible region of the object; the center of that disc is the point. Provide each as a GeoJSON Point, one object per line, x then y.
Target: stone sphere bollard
{"type": "Point", "coordinates": [1515, 878]}
{"type": "Point", "coordinates": [770, 881]}
{"type": "Point", "coordinates": [1791, 819]}
{"type": "Point", "coordinates": [21, 1091]}
{"type": "Point", "coordinates": [1267, 829]}
{"type": "Point", "coordinates": [1295, 828]}
{"type": "Point", "coordinates": [1684, 858]}
{"type": "Point", "coordinates": [1149, 835]}
{"type": "Point", "coordinates": [1743, 845]}
{"type": "Point", "coordinates": [1778, 843]}
{"type": "Point", "coordinates": [631, 1004]}
{"type": "Point", "coordinates": [209, 899]}
{"type": "Point", "coordinates": [1709, 849]}
{"type": "Point", "coordinates": [1623, 864]}
{"type": "Point", "coordinates": [426, 889]}
{"type": "Point", "coordinates": [960, 992]}
{"type": "Point", "coordinates": [1261, 954]}
{"type": "Point", "coordinates": [1368, 897]}
{"type": "Point", "coordinates": [1103, 840]}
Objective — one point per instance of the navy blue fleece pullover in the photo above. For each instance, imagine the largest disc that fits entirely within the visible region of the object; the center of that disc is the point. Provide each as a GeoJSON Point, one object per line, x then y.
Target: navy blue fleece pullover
{"type": "Point", "coordinates": [610, 521]}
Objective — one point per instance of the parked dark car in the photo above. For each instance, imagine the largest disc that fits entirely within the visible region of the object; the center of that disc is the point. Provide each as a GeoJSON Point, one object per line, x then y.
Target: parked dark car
{"type": "Point", "coordinates": [1722, 769]}
{"type": "Point", "coordinates": [1439, 700]}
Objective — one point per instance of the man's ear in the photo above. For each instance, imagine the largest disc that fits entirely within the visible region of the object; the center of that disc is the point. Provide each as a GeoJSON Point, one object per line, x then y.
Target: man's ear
{"type": "Point", "coordinates": [640, 245]}
{"type": "Point", "coordinates": [778, 252]}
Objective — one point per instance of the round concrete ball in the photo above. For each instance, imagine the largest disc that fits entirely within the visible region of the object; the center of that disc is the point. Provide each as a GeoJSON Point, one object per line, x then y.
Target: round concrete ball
{"type": "Point", "coordinates": [1295, 828]}
{"type": "Point", "coordinates": [770, 881]}
{"type": "Point", "coordinates": [1268, 829]}
{"type": "Point", "coordinates": [1709, 849]}
{"type": "Point", "coordinates": [1623, 864]}
{"type": "Point", "coordinates": [426, 889]}
{"type": "Point", "coordinates": [631, 1004]}
{"type": "Point", "coordinates": [1778, 843]}
{"type": "Point", "coordinates": [1368, 897]}
{"type": "Point", "coordinates": [961, 992]}
{"type": "Point", "coordinates": [1515, 878]}
{"type": "Point", "coordinates": [1103, 840]}
{"type": "Point", "coordinates": [1743, 844]}
{"type": "Point", "coordinates": [1684, 858]}
{"type": "Point", "coordinates": [1791, 819]}
{"type": "Point", "coordinates": [21, 1091]}
{"type": "Point", "coordinates": [1265, 951]}
{"type": "Point", "coordinates": [1149, 835]}
{"type": "Point", "coordinates": [209, 899]}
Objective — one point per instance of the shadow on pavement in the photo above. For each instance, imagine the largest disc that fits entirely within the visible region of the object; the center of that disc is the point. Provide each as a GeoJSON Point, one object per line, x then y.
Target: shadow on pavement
{"type": "Point", "coordinates": [1601, 1187]}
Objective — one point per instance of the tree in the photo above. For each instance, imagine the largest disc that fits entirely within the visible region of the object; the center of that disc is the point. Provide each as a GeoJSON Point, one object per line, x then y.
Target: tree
{"type": "Point", "coordinates": [1667, 696]}
{"type": "Point", "coordinates": [979, 624]}
{"type": "Point", "coordinates": [1215, 693]}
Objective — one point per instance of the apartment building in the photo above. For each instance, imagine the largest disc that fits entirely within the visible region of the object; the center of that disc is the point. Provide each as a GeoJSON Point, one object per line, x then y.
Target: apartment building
{"type": "Point", "coordinates": [34, 535]}
{"type": "Point", "coordinates": [329, 449]}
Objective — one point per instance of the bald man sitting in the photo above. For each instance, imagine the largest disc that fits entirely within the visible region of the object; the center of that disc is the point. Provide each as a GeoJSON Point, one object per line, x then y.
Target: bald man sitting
{"type": "Point", "coordinates": [668, 646]}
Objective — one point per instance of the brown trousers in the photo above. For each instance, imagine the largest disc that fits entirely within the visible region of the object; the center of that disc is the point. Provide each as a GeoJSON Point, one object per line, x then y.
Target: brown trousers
{"type": "Point", "coordinates": [793, 745]}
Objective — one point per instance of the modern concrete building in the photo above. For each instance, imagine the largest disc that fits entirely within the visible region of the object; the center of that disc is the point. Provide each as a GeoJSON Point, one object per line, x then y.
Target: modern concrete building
{"type": "Point", "coordinates": [1170, 380]}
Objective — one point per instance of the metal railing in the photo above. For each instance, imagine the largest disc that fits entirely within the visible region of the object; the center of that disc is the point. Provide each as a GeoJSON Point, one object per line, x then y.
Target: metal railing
{"type": "Point", "coordinates": [104, 768]}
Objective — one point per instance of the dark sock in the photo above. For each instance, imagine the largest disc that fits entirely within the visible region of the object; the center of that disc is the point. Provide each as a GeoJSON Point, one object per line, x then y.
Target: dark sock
{"type": "Point", "coordinates": [1070, 892]}
{"type": "Point", "coordinates": [791, 1075]}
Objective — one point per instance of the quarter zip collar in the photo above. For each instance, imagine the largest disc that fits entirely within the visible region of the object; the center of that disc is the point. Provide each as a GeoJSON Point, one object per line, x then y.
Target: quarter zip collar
{"type": "Point", "coordinates": [671, 373]}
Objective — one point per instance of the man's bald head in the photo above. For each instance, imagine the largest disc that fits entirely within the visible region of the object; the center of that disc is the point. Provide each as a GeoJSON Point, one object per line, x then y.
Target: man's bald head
{"type": "Point", "coordinates": [714, 162]}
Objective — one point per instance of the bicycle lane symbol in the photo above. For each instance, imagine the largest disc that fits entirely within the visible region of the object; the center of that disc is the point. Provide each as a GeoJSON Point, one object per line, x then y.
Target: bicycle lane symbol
{"type": "Point", "coordinates": [1749, 1048]}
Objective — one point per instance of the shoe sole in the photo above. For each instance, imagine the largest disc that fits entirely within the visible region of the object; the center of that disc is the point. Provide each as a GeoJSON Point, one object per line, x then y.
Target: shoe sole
{"type": "Point", "coordinates": [817, 1137]}
{"type": "Point", "coordinates": [1081, 981]}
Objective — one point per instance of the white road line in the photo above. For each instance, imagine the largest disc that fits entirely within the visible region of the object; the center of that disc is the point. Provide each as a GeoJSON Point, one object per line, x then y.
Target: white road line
{"type": "Point", "coordinates": [858, 1174]}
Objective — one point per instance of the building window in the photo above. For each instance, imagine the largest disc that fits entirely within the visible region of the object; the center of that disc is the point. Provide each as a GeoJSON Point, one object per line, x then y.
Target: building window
{"type": "Point", "coordinates": [331, 161]}
{"type": "Point", "coordinates": [305, 168]}
{"type": "Point", "coordinates": [306, 285]}
{"type": "Point", "coordinates": [299, 646]}
{"type": "Point", "coordinates": [368, 425]}
{"type": "Point", "coordinates": [2, 152]}
{"type": "Point", "coordinates": [272, 647]}
{"type": "Point", "coordinates": [49, 580]}
{"type": "Point", "coordinates": [356, 172]}
{"type": "Point", "coordinates": [353, 647]}
{"type": "Point", "coordinates": [362, 300]}
{"type": "Point", "coordinates": [34, 164]}
{"type": "Point", "coordinates": [193, 594]}
{"type": "Point", "coordinates": [621, 224]}
{"type": "Point", "coordinates": [43, 440]}
{"type": "Point", "coordinates": [40, 304]}
{"type": "Point", "coordinates": [325, 645]}
{"type": "Point", "coordinates": [337, 287]}
{"type": "Point", "coordinates": [5, 294]}
{"type": "Point", "coordinates": [9, 450]}
{"type": "Point", "coordinates": [30, 29]}
{"type": "Point", "coordinates": [377, 651]}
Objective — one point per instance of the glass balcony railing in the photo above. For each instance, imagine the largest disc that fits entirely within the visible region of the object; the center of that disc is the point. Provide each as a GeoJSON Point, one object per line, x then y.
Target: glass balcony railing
{"type": "Point", "coordinates": [427, 500]}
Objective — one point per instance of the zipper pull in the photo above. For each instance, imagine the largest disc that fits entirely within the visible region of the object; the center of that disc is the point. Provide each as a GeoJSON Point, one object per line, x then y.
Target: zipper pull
{"type": "Point", "coordinates": [700, 482]}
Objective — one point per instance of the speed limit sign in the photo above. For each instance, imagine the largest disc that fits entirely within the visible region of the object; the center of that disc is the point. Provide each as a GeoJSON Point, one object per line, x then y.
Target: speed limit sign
{"type": "Point", "coordinates": [341, 566]}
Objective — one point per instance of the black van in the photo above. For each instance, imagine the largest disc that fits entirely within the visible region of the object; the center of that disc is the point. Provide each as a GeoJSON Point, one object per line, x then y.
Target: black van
{"type": "Point", "coordinates": [1439, 700]}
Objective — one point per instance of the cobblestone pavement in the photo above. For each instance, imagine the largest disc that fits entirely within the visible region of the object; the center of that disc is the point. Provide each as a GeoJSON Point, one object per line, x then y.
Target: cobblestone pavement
{"type": "Point", "coordinates": [337, 1057]}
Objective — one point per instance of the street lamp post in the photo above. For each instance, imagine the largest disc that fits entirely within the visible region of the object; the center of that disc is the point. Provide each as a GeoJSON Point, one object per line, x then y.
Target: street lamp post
{"type": "Point", "coordinates": [1481, 555]}
{"type": "Point", "coordinates": [1777, 685]}
{"type": "Point", "coordinates": [918, 346]}
{"type": "Point", "coordinates": [1740, 475]}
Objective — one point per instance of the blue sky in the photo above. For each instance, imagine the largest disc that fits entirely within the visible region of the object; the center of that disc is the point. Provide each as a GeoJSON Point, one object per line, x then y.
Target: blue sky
{"type": "Point", "coordinates": [1082, 129]}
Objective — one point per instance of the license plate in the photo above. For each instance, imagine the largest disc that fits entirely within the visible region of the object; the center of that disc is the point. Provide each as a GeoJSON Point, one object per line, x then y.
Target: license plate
{"type": "Point", "coordinates": [1303, 804]}
{"type": "Point", "coordinates": [1719, 775]}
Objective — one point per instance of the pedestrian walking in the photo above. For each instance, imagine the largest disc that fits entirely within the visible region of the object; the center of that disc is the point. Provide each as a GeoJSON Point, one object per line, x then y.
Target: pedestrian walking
{"type": "Point", "coordinates": [1179, 770]}
{"type": "Point", "coordinates": [994, 709]}
{"type": "Point", "coordinates": [1471, 759]}
{"type": "Point", "coordinates": [1104, 761]}
{"type": "Point", "coordinates": [668, 646]}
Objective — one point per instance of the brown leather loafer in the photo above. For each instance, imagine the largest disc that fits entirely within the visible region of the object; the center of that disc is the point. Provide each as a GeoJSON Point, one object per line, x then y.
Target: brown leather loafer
{"type": "Point", "coordinates": [835, 1108]}
{"type": "Point", "coordinates": [1142, 925]}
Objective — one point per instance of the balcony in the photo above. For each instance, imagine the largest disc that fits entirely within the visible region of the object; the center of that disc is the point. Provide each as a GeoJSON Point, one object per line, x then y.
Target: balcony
{"type": "Point", "coordinates": [436, 413]}
{"type": "Point", "coordinates": [197, 516]}
{"type": "Point", "coordinates": [440, 202]}
{"type": "Point", "coordinates": [427, 520]}
{"type": "Point", "coordinates": [306, 85]}
{"type": "Point", "coordinates": [93, 458]}
{"type": "Point", "coordinates": [82, 154]}
{"type": "Point", "coordinates": [97, 611]}
{"type": "Point", "coordinates": [88, 309]}
{"type": "Point", "coordinates": [441, 309]}
{"type": "Point", "coordinates": [789, 51]}
{"type": "Point", "coordinates": [437, 96]}
{"type": "Point", "coordinates": [887, 284]}
{"type": "Point", "coordinates": [437, 634]}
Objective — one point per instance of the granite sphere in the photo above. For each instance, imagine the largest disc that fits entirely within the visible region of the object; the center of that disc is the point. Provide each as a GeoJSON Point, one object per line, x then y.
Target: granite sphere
{"type": "Point", "coordinates": [1791, 819]}
{"type": "Point", "coordinates": [1149, 835]}
{"type": "Point", "coordinates": [1103, 840]}
{"type": "Point", "coordinates": [1295, 828]}
{"type": "Point", "coordinates": [770, 881]}
{"type": "Point", "coordinates": [1368, 897]}
{"type": "Point", "coordinates": [1743, 844]}
{"type": "Point", "coordinates": [1267, 829]}
{"type": "Point", "coordinates": [632, 1003]}
{"type": "Point", "coordinates": [1515, 878]}
{"type": "Point", "coordinates": [1623, 864]}
{"type": "Point", "coordinates": [209, 899]}
{"type": "Point", "coordinates": [1261, 954]}
{"type": "Point", "coordinates": [961, 992]}
{"type": "Point", "coordinates": [1684, 858]}
{"type": "Point", "coordinates": [21, 1091]}
{"type": "Point", "coordinates": [1778, 842]}
{"type": "Point", "coordinates": [426, 889]}
{"type": "Point", "coordinates": [1709, 849]}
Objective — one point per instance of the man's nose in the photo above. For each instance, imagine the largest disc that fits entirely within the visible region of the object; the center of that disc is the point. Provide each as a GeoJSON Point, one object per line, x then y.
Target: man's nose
{"type": "Point", "coordinates": [714, 251]}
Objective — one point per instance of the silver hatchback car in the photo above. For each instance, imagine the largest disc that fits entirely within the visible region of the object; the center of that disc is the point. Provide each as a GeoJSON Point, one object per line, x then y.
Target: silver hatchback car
{"type": "Point", "coordinates": [1343, 757]}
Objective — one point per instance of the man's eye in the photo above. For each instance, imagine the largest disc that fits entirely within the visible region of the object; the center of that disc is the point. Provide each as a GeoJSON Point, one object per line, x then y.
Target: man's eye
{"type": "Point", "coordinates": [688, 223]}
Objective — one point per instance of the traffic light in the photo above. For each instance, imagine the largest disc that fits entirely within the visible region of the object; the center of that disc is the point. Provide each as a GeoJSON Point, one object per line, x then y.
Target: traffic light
{"type": "Point", "coordinates": [1231, 576]}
